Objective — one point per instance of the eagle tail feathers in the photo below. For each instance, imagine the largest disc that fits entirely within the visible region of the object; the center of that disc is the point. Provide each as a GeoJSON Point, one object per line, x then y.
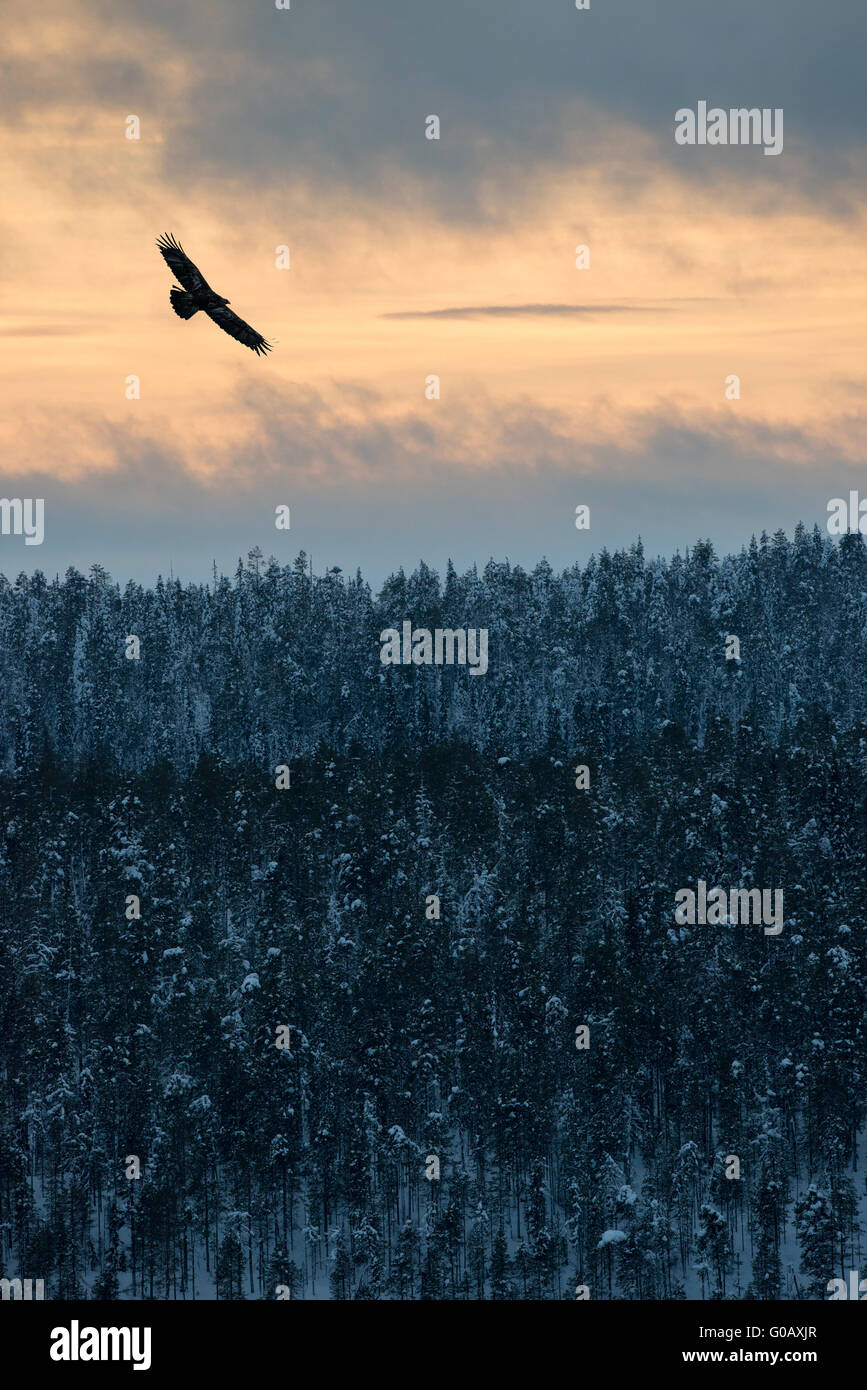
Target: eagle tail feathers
{"type": "Point", "coordinates": [183, 304]}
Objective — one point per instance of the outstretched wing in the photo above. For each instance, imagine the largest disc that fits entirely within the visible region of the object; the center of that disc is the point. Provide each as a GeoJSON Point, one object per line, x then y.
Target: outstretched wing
{"type": "Point", "coordinates": [181, 266]}
{"type": "Point", "coordinates": [236, 328]}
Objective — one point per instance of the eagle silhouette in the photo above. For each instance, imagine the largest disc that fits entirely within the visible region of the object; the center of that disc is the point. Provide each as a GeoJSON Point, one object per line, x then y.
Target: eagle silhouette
{"type": "Point", "coordinates": [197, 294]}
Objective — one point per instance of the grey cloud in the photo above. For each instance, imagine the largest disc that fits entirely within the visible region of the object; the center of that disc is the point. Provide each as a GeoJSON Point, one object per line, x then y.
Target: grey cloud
{"type": "Point", "coordinates": [380, 493]}
{"type": "Point", "coordinates": [337, 92]}
{"type": "Point", "coordinates": [41, 82]}
{"type": "Point", "coordinates": [524, 310]}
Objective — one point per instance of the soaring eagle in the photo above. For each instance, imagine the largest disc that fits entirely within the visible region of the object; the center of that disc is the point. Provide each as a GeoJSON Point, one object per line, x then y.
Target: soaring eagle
{"type": "Point", "coordinates": [197, 294]}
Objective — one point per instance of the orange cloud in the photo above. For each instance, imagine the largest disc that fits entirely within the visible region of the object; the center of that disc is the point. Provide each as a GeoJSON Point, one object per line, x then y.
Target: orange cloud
{"type": "Point", "coordinates": [704, 286]}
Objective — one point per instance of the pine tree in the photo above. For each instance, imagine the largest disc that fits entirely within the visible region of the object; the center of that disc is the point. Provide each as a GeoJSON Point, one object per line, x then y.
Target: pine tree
{"type": "Point", "coordinates": [818, 1235]}
{"type": "Point", "coordinates": [230, 1268]}
{"type": "Point", "coordinates": [341, 1271]}
{"type": "Point", "coordinates": [767, 1266]}
{"type": "Point", "coordinates": [500, 1262]}
{"type": "Point", "coordinates": [714, 1246]}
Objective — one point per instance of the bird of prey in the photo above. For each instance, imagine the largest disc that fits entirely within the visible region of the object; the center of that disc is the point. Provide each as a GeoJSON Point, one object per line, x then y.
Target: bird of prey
{"type": "Point", "coordinates": [197, 294]}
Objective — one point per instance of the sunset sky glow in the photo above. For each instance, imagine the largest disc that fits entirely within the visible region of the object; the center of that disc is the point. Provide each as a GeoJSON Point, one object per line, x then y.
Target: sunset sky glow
{"type": "Point", "coordinates": [412, 257]}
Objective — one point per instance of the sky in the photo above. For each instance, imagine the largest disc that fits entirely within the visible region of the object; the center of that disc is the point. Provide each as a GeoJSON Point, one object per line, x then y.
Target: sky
{"type": "Point", "coordinates": [411, 258]}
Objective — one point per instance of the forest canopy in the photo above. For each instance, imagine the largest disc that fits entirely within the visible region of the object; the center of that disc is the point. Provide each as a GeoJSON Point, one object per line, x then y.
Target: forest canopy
{"type": "Point", "coordinates": [413, 1034]}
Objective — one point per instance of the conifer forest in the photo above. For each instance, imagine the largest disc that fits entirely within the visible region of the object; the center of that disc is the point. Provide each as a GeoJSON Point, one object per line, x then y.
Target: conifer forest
{"type": "Point", "coordinates": [364, 980]}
